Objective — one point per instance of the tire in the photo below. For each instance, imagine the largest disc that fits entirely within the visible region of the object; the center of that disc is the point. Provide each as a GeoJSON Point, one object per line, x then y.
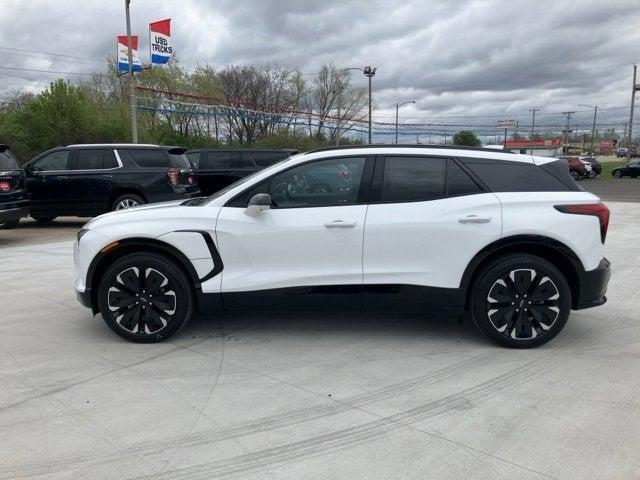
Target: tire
{"type": "Point", "coordinates": [592, 174]}
{"type": "Point", "coordinates": [128, 200]}
{"type": "Point", "coordinates": [515, 309]}
{"type": "Point", "coordinates": [617, 174]}
{"type": "Point", "coordinates": [125, 301]}
{"type": "Point", "coordinates": [10, 224]}
{"type": "Point", "coordinates": [574, 175]}
{"type": "Point", "coordinates": [321, 189]}
{"type": "Point", "coordinates": [44, 220]}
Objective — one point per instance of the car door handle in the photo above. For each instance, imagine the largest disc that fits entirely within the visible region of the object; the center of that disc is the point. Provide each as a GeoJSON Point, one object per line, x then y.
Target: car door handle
{"type": "Point", "coordinates": [61, 177]}
{"type": "Point", "coordinates": [474, 219]}
{"type": "Point", "coordinates": [106, 175]}
{"type": "Point", "coordinates": [339, 224]}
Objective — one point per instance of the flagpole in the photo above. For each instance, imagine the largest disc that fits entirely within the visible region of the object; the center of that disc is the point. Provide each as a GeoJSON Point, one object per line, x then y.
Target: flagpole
{"type": "Point", "coordinates": [132, 86]}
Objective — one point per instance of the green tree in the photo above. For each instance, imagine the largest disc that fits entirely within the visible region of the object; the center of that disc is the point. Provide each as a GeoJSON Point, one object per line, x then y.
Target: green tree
{"type": "Point", "coordinates": [466, 138]}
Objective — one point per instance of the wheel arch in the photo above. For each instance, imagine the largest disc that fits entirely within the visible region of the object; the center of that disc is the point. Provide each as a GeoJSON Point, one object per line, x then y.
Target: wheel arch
{"type": "Point", "coordinates": [119, 191]}
{"type": "Point", "coordinates": [103, 261]}
{"type": "Point", "coordinates": [554, 251]}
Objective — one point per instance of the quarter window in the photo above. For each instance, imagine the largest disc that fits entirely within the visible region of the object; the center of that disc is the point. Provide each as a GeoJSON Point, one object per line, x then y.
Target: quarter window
{"type": "Point", "coordinates": [53, 161]}
{"type": "Point", "coordinates": [221, 160]}
{"type": "Point", "coordinates": [147, 158]}
{"type": "Point", "coordinates": [508, 176]}
{"type": "Point", "coordinates": [412, 179]}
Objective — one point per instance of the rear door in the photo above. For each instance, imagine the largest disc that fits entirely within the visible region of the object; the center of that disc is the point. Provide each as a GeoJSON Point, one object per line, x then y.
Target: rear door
{"type": "Point", "coordinates": [426, 221]}
{"type": "Point", "coordinates": [47, 183]}
{"type": "Point", "coordinates": [93, 174]}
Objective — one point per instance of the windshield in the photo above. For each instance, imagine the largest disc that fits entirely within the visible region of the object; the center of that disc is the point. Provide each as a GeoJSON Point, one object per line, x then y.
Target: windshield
{"type": "Point", "coordinates": [246, 179]}
{"type": "Point", "coordinates": [7, 161]}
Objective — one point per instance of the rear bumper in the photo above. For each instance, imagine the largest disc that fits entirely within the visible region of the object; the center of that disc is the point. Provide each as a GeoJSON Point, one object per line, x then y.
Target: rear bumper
{"type": "Point", "coordinates": [15, 213]}
{"type": "Point", "coordinates": [593, 286]}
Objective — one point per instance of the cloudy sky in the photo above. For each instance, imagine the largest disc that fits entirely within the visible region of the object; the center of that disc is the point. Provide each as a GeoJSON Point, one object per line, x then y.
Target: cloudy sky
{"type": "Point", "coordinates": [462, 61]}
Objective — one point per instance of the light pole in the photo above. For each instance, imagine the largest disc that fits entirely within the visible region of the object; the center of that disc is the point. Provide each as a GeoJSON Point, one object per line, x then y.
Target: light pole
{"type": "Point", "coordinates": [132, 87]}
{"type": "Point", "coordinates": [398, 105]}
{"type": "Point", "coordinates": [567, 131]}
{"type": "Point", "coordinates": [370, 72]}
{"type": "Point", "coordinates": [593, 127]}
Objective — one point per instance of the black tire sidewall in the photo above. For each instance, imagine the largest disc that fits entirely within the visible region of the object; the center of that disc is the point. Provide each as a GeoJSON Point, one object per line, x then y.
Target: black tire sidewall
{"type": "Point", "coordinates": [132, 196]}
{"type": "Point", "coordinates": [495, 270]}
{"type": "Point", "coordinates": [44, 220]}
{"type": "Point", "coordinates": [180, 282]}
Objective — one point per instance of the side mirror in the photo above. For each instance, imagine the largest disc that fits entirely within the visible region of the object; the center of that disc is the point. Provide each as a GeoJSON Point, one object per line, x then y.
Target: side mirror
{"type": "Point", "coordinates": [258, 203]}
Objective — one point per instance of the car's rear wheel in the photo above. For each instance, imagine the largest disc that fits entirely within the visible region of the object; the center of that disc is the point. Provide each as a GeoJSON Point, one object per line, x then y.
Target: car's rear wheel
{"type": "Point", "coordinates": [10, 224]}
{"type": "Point", "coordinates": [521, 301]}
{"type": "Point", "coordinates": [145, 297]}
{"type": "Point", "coordinates": [44, 220]}
{"type": "Point", "coordinates": [617, 174]}
{"type": "Point", "coordinates": [128, 200]}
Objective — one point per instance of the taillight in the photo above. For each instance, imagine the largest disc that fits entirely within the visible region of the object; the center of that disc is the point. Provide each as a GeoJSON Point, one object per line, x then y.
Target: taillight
{"type": "Point", "coordinates": [190, 180]}
{"type": "Point", "coordinates": [5, 186]}
{"type": "Point", "coordinates": [599, 210]}
{"type": "Point", "coordinates": [174, 176]}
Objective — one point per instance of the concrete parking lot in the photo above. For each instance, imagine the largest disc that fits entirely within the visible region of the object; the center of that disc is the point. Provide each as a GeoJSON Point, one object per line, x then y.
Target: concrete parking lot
{"type": "Point", "coordinates": [314, 395]}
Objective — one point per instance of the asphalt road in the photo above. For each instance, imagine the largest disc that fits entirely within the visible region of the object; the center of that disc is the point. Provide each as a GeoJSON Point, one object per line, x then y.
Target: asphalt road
{"type": "Point", "coordinates": [612, 189]}
{"type": "Point", "coordinates": [275, 396]}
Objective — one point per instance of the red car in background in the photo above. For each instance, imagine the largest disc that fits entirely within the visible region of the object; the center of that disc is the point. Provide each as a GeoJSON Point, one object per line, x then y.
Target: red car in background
{"type": "Point", "coordinates": [578, 168]}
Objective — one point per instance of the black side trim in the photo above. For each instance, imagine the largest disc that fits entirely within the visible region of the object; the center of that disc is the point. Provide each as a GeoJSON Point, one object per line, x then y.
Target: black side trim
{"type": "Point", "coordinates": [318, 297]}
{"type": "Point", "coordinates": [411, 298]}
{"type": "Point", "coordinates": [213, 251]}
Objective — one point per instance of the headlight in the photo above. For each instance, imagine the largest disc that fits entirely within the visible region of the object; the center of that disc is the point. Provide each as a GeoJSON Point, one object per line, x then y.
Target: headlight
{"type": "Point", "coordinates": [82, 232]}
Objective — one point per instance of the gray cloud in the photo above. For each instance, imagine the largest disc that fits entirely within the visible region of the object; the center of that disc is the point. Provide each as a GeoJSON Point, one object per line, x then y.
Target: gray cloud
{"type": "Point", "coordinates": [462, 58]}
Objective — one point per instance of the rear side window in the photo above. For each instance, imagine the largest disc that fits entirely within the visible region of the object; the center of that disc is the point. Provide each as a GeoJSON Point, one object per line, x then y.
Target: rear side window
{"type": "Point", "coordinates": [90, 159]}
{"type": "Point", "coordinates": [505, 176]}
{"type": "Point", "coordinates": [221, 160]}
{"type": "Point", "coordinates": [147, 158]}
{"type": "Point", "coordinates": [7, 162]}
{"type": "Point", "coordinates": [264, 159]}
{"type": "Point", "coordinates": [411, 179]}
{"type": "Point", "coordinates": [194, 158]}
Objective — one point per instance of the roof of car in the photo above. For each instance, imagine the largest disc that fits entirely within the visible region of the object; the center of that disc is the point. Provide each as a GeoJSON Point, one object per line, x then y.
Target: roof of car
{"type": "Point", "coordinates": [411, 145]}
{"type": "Point", "coordinates": [128, 145]}
{"type": "Point", "coordinates": [242, 149]}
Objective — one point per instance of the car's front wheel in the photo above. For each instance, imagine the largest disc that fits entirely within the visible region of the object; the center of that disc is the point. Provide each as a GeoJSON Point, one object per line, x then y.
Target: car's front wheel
{"type": "Point", "coordinates": [145, 297]}
{"type": "Point", "coordinates": [617, 174]}
{"type": "Point", "coordinates": [521, 301]}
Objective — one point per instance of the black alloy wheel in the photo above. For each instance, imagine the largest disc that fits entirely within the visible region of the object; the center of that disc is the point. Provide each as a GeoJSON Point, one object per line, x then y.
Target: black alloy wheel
{"type": "Point", "coordinates": [521, 301]}
{"type": "Point", "coordinates": [145, 298]}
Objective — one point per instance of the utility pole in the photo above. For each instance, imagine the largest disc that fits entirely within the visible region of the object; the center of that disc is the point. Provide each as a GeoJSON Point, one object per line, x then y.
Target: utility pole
{"type": "Point", "coordinates": [398, 105]}
{"type": "Point", "coordinates": [593, 127]}
{"type": "Point", "coordinates": [339, 87]}
{"type": "Point", "coordinates": [504, 145]}
{"type": "Point", "coordinates": [634, 87]}
{"type": "Point", "coordinates": [370, 72]}
{"type": "Point", "coordinates": [533, 124]}
{"type": "Point", "coordinates": [132, 86]}
{"type": "Point", "coordinates": [567, 131]}
{"type": "Point", "coordinates": [445, 137]}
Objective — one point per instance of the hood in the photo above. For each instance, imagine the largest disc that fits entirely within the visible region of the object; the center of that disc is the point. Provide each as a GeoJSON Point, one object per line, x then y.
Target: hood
{"type": "Point", "coordinates": [147, 213]}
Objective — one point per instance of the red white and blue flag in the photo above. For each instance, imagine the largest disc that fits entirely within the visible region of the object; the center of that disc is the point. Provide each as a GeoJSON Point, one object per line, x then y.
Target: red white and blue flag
{"type": "Point", "coordinates": [123, 54]}
{"type": "Point", "coordinates": [160, 40]}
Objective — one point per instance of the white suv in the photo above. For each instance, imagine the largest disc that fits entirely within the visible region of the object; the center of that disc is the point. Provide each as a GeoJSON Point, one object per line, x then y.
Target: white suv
{"type": "Point", "coordinates": [510, 239]}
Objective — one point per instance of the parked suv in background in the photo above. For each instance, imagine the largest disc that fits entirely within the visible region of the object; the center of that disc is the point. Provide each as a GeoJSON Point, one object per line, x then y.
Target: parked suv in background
{"type": "Point", "coordinates": [87, 180]}
{"type": "Point", "coordinates": [219, 167]}
{"type": "Point", "coordinates": [14, 202]}
{"type": "Point", "coordinates": [578, 169]}
{"type": "Point", "coordinates": [509, 238]}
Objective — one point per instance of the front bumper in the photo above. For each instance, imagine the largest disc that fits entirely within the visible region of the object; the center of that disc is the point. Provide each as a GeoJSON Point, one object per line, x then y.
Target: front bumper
{"type": "Point", "coordinates": [593, 286]}
{"type": "Point", "coordinates": [85, 298]}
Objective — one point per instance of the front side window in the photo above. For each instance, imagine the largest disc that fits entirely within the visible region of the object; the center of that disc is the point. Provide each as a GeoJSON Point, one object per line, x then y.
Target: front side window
{"type": "Point", "coordinates": [52, 161]}
{"type": "Point", "coordinates": [90, 159]}
{"type": "Point", "coordinates": [413, 179]}
{"type": "Point", "coordinates": [324, 183]}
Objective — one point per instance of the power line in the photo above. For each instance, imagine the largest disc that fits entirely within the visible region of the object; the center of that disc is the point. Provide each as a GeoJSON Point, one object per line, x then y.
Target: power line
{"type": "Point", "coordinates": [53, 71]}
{"type": "Point", "coordinates": [47, 53]}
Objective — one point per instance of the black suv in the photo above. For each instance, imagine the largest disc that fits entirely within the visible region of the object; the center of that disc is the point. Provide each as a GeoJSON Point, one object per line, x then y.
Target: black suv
{"type": "Point", "coordinates": [87, 180]}
{"type": "Point", "coordinates": [14, 202]}
{"type": "Point", "coordinates": [219, 167]}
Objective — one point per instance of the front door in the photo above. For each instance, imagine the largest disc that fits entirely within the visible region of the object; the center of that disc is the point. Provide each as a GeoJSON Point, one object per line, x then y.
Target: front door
{"type": "Point", "coordinates": [306, 251]}
{"type": "Point", "coordinates": [47, 184]}
{"type": "Point", "coordinates": [91, 179]}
